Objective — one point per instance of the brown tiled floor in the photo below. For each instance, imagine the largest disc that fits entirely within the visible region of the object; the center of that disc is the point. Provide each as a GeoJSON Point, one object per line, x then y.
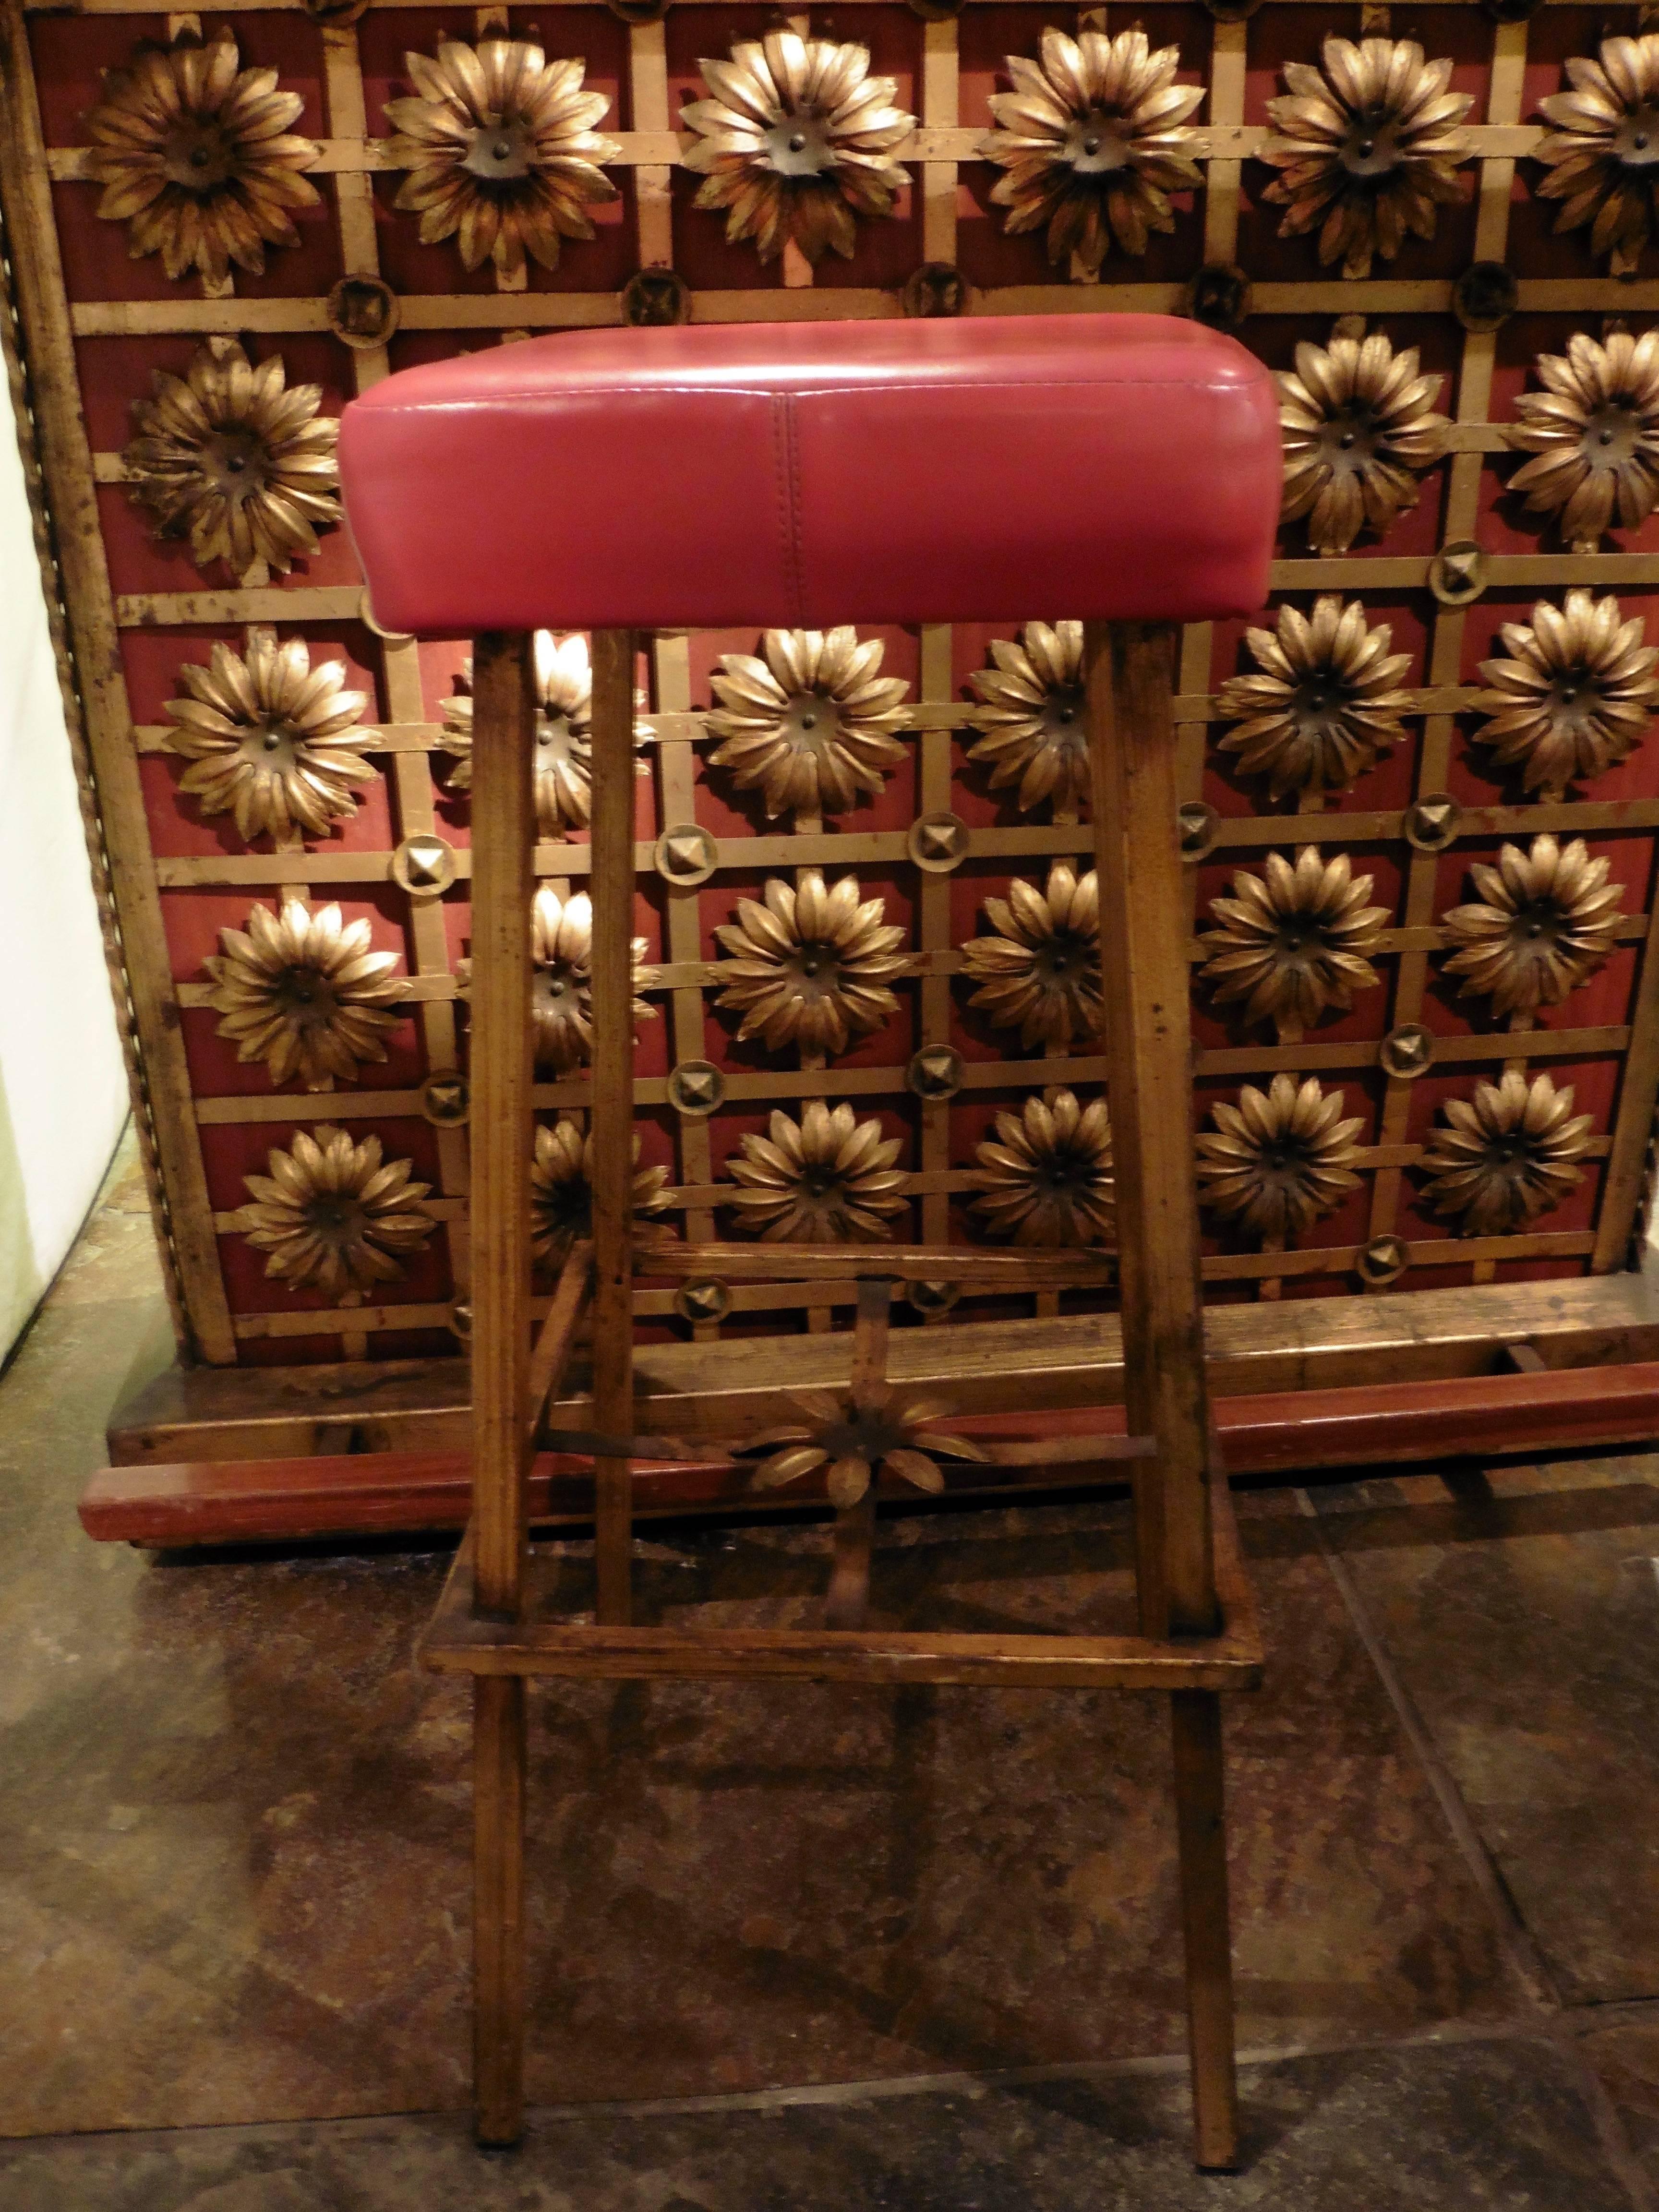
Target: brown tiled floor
{"type": "Point", "coordinates": [234, 1883]}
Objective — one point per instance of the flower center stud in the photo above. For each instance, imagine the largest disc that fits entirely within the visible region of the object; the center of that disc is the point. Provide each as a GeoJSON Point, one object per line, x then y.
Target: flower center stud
{"type": "Point", "coordinates": [1636, 141]}
{"type": "Point", "coordinates": [811, 722]}
{"type": "Point", "coordinates": [800, 146]}
{"type": "Point", "coordinates": [198, 157]}
{"type": "Point", "coordinates": [1095, 144]}
{"type": "Point", "coordinates": [1370, 146]}
{"type": "Point", "coordinates": [1348, 441]}
{"type": "Point", "coordinates": [1061, 716]}
{"type": "Point", "coordinates": [500, 153]}
{"type": "Point", "coordinates": [1612, 436]}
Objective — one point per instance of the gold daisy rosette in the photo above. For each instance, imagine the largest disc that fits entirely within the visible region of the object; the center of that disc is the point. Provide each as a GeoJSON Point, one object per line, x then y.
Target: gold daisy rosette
{"type": "Point", "coordinates": [1092, 143]}
{"type": "Point", "coordinates": [795, 142]}
{"type": "Point", "coordinates": [305, 991]}
{"type": "Point", "coordinates": [197, 157]}
{"type": "Point", "coordinates": [232, 457]}
{"type": "Point", "coordinates": [499, 152]}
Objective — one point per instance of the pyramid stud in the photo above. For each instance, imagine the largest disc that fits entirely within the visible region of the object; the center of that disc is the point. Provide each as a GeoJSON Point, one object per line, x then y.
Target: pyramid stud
{"type": "Point", "coordinates": [930, 1298]}
{"type": "Point", "coordinates": [696, 1087]}
{"type": "Point", "coordinates": [1197, 820]}
{"type": "Point", "coordinates": [1433, 823]}
{"type": "Point", "coordinates": [460, 1318]}
{"type": "Point", "coordinates": [424, 865]}
{"type": "Point", "coordinates": [446, 1100]}
{"type": "Point", "coordinates": [1383, 1259]}
{"type": "Point", "coordinates": [939, 842]}
{"type": "Point", "coordinates": [709, 1301]}
{"type": "Point", "coordinates": [685, 855]}
{"type": "Point", "coordinates": [935, 1072]}
{"type": "Point", "coordinates": [1457, 573]}
{"type": "Point", "coordinates": [1406, 1051]}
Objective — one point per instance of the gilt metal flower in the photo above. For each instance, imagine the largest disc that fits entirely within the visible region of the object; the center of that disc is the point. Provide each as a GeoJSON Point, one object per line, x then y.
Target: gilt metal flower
{"type": "Point", "coordinates": [1325, 704]}
{"type": "Point", "coordinates": [1603, 153]}
{"type": "Point", "coordinates": [334, 1215]}
{"type": "Point", "coordinates": [1545, 921]}
{"type": "Point", "coordinates": [271, 739]}
{"type": "Point", "coordinates": [812, 723]}
{"type": "Point", "coordinates": [1039, 968]}
{"type": "Point", "coordinates": [1575, 697]}
{"type": "Point", "coordinates": [1593, 432]}
{"type": "Point", "coordinates": [1367, 148]}
{"type": "Point", "coordinates": [1090, 142]}
{"type": "Point", "coordinates": [796, 141]}
{"type": "Point", "coordinates": [564, 724]}
{"type": "Point", "coordinates": [891, 1430]}
{"type": "Point", "coordinates": [561, 1192]}
{"type": "Point", "coordinates": [500, 151]}
{"type": "Point", "coordinates": [1045, 1178]}
{"type": "Point", "coordinates": [826, 1179]}
{"type": "Point", "coordinates": [196, 157]}
{"type": "Point", "coordinates": [305, 992]}
{"type": "Point", "coordinates": [1359, 430]}
{"type": "Point", "coordinates": [1292, 942]}
{"type": "Point", "coordinates": [1279, 1159]}
{"type": "Point", "coordinates": [1507, 1154]}
{"type": "Point", "coordinates": [810, 967]}
{"type": "Point", "coordinates": [228, 457]}
{"type": "Point", "coordinates": [1032, 718]}
{"type": "Point", "coordinates": [561, 986]}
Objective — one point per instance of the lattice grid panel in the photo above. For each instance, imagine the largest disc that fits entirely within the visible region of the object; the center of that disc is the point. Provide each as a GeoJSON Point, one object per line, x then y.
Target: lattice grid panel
{"type": "Point", "coordinates": [138, 609]}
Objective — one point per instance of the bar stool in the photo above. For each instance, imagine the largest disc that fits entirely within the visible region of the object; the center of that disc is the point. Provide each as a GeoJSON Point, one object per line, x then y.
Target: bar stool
{"type": "Point", "coordinates": [1125, 469]}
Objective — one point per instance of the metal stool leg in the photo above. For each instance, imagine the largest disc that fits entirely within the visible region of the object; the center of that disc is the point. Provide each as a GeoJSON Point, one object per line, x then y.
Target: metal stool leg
{"type": "Point", "coordinates": [503, 828]}
{"type": "Point", "coordinates": [1130, 673]}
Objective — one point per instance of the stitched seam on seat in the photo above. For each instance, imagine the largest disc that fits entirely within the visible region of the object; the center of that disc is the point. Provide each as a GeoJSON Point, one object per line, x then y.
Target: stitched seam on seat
{"type": "Point", "coordinates": [797, 567]}
{"type": "Point", "coordinates": [815, 391]}
{"type": "Point", "coordinates": [784, 485]}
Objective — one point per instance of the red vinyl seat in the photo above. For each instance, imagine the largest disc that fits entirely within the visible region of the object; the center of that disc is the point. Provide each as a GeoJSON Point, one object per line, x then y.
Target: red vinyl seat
{"type": "Point", "coordinates": [1125, 468]}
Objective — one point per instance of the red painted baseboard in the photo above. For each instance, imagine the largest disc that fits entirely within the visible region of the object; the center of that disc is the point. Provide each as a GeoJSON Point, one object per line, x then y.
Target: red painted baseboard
{"type": "Point", "coordinates": [1289, 1433]}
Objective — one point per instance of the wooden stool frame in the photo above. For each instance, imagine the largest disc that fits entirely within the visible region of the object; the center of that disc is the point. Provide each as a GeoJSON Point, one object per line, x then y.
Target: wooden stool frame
{"type": "Point", "coordinates": [1198, 1634]}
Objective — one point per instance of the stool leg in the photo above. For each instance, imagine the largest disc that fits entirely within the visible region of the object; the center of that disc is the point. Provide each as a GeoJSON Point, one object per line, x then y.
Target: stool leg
{"type": "Point", "coordinates": [498, 1964]}
{"type": "Point", "coordinates": [611, 830]}
{"type": "Point", "coordinates": [503, 731]}
{"type": "Point", "coordinates": [1201, 1820]}
{"type": "Point", "coordinates": [1146, 985]}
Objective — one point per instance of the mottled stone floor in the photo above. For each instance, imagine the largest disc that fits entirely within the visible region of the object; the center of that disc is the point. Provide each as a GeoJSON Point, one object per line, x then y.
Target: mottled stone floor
{"type": "Point", "coordinates": [233, 1884]}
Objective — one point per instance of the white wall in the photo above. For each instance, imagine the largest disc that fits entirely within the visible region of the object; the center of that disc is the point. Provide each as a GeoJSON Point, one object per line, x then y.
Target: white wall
{"type": "Point", "coordinates": [63, 1091]}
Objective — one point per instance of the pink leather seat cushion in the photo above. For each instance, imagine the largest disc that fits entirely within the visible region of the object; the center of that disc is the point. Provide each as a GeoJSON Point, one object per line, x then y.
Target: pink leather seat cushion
{"type": "Point", "coordinates": [1126, 467]}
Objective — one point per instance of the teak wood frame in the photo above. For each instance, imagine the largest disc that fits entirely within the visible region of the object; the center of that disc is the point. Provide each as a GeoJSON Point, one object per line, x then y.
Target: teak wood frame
{"type": "Point", "coordinates": [1197, 1629]}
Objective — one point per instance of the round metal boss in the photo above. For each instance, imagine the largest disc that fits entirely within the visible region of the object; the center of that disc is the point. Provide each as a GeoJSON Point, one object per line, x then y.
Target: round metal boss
{"type": "Point", "coordinates": [1382, 1258]}
{"type": "Point", "coordinates": [445, 1099]}
{"type": "Point", "coordinates": [938, 288]}
{"type": "Point", "coordinates": [1219, 296]}
{"type": "Point", "coordinates": [1197, 821]}
{"type": "Point", "coordinates": [424, 865]}
{"type": "Point", "coordinates": [685, 855]}
{"type": "Point", "coordinates": [1433, 823]}
{"type": "Point", "coordinates": [652, 297]}
{"type": "Point", "coordinates": [939, 842]}
{"type": "Point", "coordinates": [709, 1301]}
{"type": "Point", "coordinates": [362, 312]}
{"type": "Point", "coordinates": [696, 1087]}
{"type": "Point", "coordinates": [1486, 295]}
{"type": "Point", "coordinates": [1457, 573]}
{"type": "Point", "coordinates": [936, 1072]}
{"type": "Point", "coordinates": [1407, 1052]}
